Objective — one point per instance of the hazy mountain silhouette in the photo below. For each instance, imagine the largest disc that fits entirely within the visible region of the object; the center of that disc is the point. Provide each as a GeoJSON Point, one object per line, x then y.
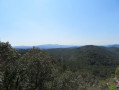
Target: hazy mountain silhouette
{"type": "Point", "coordinates": [46, 46]}
{"type": "Point", "coordinates": [114, 45]}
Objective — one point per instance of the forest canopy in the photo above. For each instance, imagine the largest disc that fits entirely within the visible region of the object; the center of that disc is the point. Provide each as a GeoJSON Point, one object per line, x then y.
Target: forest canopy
{"type": "Point", "coordinates": [84, 68]}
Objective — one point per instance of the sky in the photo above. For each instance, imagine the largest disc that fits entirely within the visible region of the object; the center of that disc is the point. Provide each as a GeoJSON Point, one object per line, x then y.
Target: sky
{"type": "Point", "coordinates": [66, 22]}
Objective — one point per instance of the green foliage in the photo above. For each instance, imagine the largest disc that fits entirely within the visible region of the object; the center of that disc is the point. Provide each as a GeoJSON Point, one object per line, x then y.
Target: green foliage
{"type": "Point", "coordinates": [100, 61]}
{"type": "Point", "coordinates": [104, 86]}
{"type": "Point", "coordinates": [69, 69]}
{"type": "Point", "coordinates": [65, 81]}
{"type": "Point", "coordinates": [112, 87]}
{"type": "Point", "coordinates": [117, 72]}
{"type": "Point", "coordinates": [27, 72]}
{"type": "Point", "coordinates": [9, 63]}
{"type": "Point", "coordinates": [38, 68]}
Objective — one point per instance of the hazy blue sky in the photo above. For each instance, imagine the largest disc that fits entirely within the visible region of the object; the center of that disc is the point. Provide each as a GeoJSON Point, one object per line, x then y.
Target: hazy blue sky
{"type": "Point", "coordinates": [78, 22]}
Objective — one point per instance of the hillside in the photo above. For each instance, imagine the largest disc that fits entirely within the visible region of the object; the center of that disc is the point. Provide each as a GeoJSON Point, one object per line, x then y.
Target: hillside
{"type": "Point", "coordinates": [100, 61]}
{"type": "Point", "coordinates": [90, 51]}
{"type": "Point", "coordinates": [82, 68]}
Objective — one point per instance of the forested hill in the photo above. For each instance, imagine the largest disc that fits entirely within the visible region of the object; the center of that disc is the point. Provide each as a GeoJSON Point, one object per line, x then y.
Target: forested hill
{"type": "Point", "coordinates": [83, 68]}
{"type": "Point", "coordinates": [91, 55]}
{"type": "Point", "coordinates": [101, 61]}
{"type": "Point", "coordinates": [88, 51]}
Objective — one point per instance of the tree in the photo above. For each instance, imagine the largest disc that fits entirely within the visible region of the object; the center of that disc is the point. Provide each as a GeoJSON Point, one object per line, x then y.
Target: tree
{"type": "Point", "coordinates": [8, 66]}
{"type": "Point", "coordinates": [38, 68]}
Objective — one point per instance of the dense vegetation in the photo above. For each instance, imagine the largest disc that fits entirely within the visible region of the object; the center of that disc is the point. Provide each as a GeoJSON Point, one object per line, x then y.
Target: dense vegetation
{"type": "Point", "coordinates": [99, 61]}
{"type": "Point", "coordinates": [84, 68]}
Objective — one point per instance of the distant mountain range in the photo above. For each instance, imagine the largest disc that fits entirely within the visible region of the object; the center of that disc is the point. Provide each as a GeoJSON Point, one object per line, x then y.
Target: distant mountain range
{"type": "Point", "coordinates": [46, 46]}
{"type": "Point", "coordinates": [55, 46]}
{"type": "Point", "coordinates": [114, 45]}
